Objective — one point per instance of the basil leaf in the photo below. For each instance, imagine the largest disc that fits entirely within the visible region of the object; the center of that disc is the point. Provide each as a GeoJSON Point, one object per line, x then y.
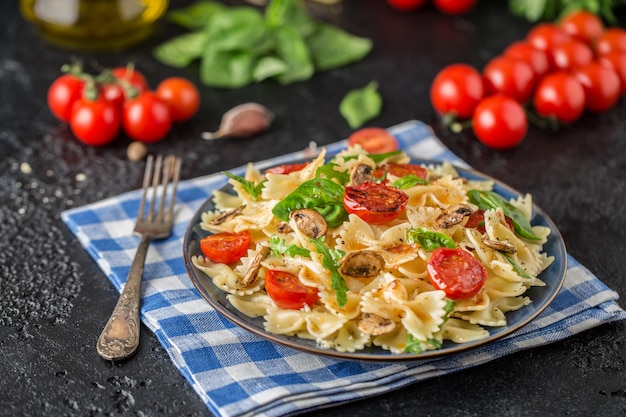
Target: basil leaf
{"type": "Point", "coordinates": [280, 13]}
{"type": "Point", "coordinates": [331, 260]}
{"type": "Point", "coordinates": [428, 239]}
{"type": "Point", "coordinates": [181, 50]}
{"type": "Point", "coordinates": [328, 170]}
{"type": "Point", "coordinates": [332, 47]}
{"type": "Point", "coordinates": [239, 29]}
{"type": "Point", "coordinates": [254, 190]}
{"type": "Point", "coordinates": [268, 67]}
{"type": "Point", "coordinates": [227, 69]}
{"type": "Point", "coordinates": [196, 15]}
{"type": "Point", "coordinates": [361, 105]}
{"type": "Point", "coordinates": [279, 247]}
{"type": "Point", "coordinates": [292, 49]}
{"type": "Point", "coordinates": [408, 181]}
{"type": "Point", "coordinates": [486, 200]}
{"type": "Point", "coordinates": [321, 194]}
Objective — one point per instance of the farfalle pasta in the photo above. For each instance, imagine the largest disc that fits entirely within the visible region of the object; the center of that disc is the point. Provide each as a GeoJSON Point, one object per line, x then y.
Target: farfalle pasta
{"type": "Point", "coordinates": [322, 268]}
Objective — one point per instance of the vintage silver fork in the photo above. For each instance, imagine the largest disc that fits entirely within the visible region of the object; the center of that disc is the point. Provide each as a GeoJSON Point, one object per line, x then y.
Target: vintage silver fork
{"type": "Point", "coordinates": [120, 337]}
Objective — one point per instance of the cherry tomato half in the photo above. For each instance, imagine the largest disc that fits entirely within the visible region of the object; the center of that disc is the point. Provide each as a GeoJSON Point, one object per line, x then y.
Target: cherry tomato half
{"type": "Point", "coordinates": [95, 122]}
{"type": "Point", "coordinates": [374, 140]}
{"type": "Point", "coordinates": [287, 291]}
{"type": "Point", "coordinates": [406, 5]}
{"type": "Point", "coordinates": [456, 90]}
{"type": "Point", "coordinates": [476, 220]}
{"type": "Point", "coordinates": [536, 58]}
{"type": "Point", "coordinates": [454, 7]}
{"type": "Point", "coordinates": [500, 122]}
{"type": "Point", "coordinates": [583, 25]}
{"type": "Point", "coordinates": [63, 93]}
{"type": "Point", "coordinates": [559, 95]}
{"type": "Point", "coordinates": [456, 272]}
{"type": "Point", "coordinates": [509, 76]}
{"type": "Point", "coordinates": [226, 247]}
{"type": "Point", "coordinates": [181, 96]}
{"type": "Point", "coordinates": [401, 170]}
{"type": "Point", "coordinates": [146, 118]}
{"type": "Point", "coordinates": [375, 203]}
{"type": "Point", "coordinates": [601, 84]}
{"type": "Point", "coordinates": [285, 168]}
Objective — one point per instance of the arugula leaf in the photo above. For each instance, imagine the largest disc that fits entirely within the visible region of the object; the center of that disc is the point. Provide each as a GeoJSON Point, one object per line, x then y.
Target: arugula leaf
{"type": "Point", "coordinates": [279, 247]}
{"type": "Point", "coordinates": [328, 170]}
{"type": "Point", "coordinates": [251, 188]}
{"type": "Point", "coordinates": [331, 260]}
{"type": "Point", "coordinates": [415, 346]}
{"type": "Point", "coordinates": [376, 157]}
{"type": "Point", "coordinates": [332, 47]}
{"type": "Point", "coordinates": [321, 194]}
{"type": "Point", "coordinates": [428, 239]}
{"type": "Point", "coordinates": [361, 105]}
{"type": "Point", "coordinates": [486, 200]}
{"type": "Point", "coordinates": [408, 181]}
{"type": "Point", "coordinates": [516, 267]}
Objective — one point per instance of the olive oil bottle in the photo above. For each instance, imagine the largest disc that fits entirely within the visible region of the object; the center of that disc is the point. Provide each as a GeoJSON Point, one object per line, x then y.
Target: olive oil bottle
{"type": "Point", "coordinates": [93, 24]}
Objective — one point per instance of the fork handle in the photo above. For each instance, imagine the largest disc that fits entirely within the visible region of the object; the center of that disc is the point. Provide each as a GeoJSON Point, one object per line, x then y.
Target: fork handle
{"type": "Point", "coordinates": [120, 337]}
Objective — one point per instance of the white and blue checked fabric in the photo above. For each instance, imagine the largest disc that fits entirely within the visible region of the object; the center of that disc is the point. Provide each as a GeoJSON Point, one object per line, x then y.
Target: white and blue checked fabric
{"type": "Point", "coordinates": [239, 374]}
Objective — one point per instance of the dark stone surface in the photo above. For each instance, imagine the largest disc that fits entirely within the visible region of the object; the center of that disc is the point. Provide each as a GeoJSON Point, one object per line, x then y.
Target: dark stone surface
{"type": "Point", "coordinates": [54, 300]}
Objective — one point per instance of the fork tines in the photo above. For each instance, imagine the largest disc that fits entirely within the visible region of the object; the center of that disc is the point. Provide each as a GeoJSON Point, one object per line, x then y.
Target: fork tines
{"type": "Point", "coordinates": [160, 171]}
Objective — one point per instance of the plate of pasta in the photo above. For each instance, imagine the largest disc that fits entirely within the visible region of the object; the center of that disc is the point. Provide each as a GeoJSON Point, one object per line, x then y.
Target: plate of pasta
{"type": "Point", "coordinates": [376, 257]}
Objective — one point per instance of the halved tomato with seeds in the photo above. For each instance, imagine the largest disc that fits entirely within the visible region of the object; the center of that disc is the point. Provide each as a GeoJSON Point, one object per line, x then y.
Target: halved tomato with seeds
{"type": "Point", "coordinates": [456, 272]}
{"type": "Point", "coordinates": [375, 203]}
{"type": "Point", "coordinates": [287, 291]}
{"type": "Point", "coordinates": [226, 247]}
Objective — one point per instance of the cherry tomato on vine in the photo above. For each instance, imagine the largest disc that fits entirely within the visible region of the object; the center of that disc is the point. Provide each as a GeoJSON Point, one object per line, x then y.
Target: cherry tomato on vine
{"type": "Point", "coordinates": [374, 140]}
{"type": "Point", "coordinates": [617, 62]}
{"type": "Point", "coordinates": [456, 90]}
{"type": "Point", "coordinates": [375, 203]}
{"type": "Point", "coordinates": [454, 7]}
{"type": "Point", "coordinates": [406, 5]}
{"type": "Point", "coordinates": [287, 291]}
{"type": "Point", "coordinates": [571, 54]}
{"type": "Point", "coordinates": [181, 96]}
{"type": "Point", "coordinates": [500, 122]}
{"type": "Point", "coordinates": [63, 93]}
{"type": "Point", "coordinates": [113, 93]}
{"type": "Point", "coordinates": [601, 85]}
{"type": "Point", "coordinates": [456, 272]}
{"type": "Point", "coordinates": [582, 25]}
{"type": "Point", "coordinates": [509, 76]}
{"type": "Point", "coordinates": [546, 36]}
{"type": "Point", "coordinates": [95, 122]}
{"type": "Point", "coordinates": [226, 247]}
{"type": "Point", "coordinates": [559, 95]}
{"type": "Point", "coordinates": [146, 118]}
{"type": "Point", "coordinates": [131, 75]}
{"type": "Point", "coordinates": [612, 39]}
{"type": "Point", "coordinates": [536, 58]}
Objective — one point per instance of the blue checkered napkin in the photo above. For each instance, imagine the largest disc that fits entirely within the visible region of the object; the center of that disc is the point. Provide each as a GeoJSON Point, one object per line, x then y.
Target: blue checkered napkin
{"type": "Point", "coordinates": [238, 374]}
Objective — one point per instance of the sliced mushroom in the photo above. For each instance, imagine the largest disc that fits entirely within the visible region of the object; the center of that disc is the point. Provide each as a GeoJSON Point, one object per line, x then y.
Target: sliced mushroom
{"type": "Point", "coordinates": [361, 173]}
{"type": "Point", "coordinates": [375, 325]}
{"type": "Point", "coordinates": [362, 264]}
{"type": "Point", "coordinates": [453, 215]}
{"type": "Point", "coordinates": [501, 245]}
{"type": "Point", "coordinates": [255, 266]}
{"type": "Point", "coordinates": [309, 222]}
{"type": "Point", "coordinates": [283, 227]}
{"type": "Point", "coordinates": [228, 215]}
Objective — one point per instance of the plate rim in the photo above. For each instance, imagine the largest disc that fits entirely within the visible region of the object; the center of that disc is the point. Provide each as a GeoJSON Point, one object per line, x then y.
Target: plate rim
{"type": "Point", "coordinates": [382, 355]}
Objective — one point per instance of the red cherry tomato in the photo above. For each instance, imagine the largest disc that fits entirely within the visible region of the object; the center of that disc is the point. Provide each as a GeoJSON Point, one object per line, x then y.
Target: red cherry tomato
{"type": "Point", "coordinates": [456, 90]}
{"type": "Point", "coordinates": [546, 36]}
{"type": "Point", "coordinates": [612, 39]}
{"type": "Point", "coordinates": [287, 291]}
{"type": "Point", "coordinates": [406, 5]}
{"type": "Point", "coordinates": [375, 203]}
{"type": "Point", "coordinates": [602, 86]}
{"type": "Point", "coordinates": [63, 93]}
{"type": "Point", "coordinates": [617, 62]}
{"type": "Point", "coordinates": [454, 7]}
{"type": "Point", "coordinates": [95, 122]}
{"type": "Point", "coordinates": [476, 220]}
{"type": "Point", "coordinates": [509, 76]}
{"type": "Point", "coordinates": [113, 93]}
{"type": "Point", "coordinates": [582, 25]}
{"type": "Point", "coordinates": [374, 140]}
{"type": "Point", "coordinates": [571, 54]}
{"type": "Point", "coordinates": [560, 95]}
{"type": "Point", "coordinates": [401, 170]}
{"type": "Point", "coordinates": [500, 122]}
{"type": "Point", "coordinates": [226, 247]}
{"type": "Point", "coordinates": [146, 118]}
{"type": "Point", "coordinates": [133, 77]}
{"type": "Point", "coordinates": [285, 168]}
{"type": "Point", "coordinates": [181, 96]}
{"type": "Point", "coordinates": [536, 58]}
{"type": "Point", "coordinates": [456, 272]}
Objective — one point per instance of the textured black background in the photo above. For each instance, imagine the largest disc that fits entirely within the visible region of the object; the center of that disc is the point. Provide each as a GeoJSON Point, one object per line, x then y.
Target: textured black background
{"type": "Point", "coordinates": [55, 300]}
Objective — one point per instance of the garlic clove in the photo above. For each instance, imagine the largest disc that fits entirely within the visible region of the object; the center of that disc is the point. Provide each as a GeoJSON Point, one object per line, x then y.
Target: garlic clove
{"type": "Point", "coordinates": [242, 121]}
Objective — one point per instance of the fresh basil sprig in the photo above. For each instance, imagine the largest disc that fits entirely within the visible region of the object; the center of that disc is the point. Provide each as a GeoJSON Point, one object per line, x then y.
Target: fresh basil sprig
{"type": "Point", "coordinates": [321, 194]}
{"type": "Point", "coordinates": [331, 260]}
{"type": "Point", "coordinates": [486, 200]}
{"type": "Point", "coordinates": [428, 239]}
{"type": "Point", "coordinates": [253, 189]}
